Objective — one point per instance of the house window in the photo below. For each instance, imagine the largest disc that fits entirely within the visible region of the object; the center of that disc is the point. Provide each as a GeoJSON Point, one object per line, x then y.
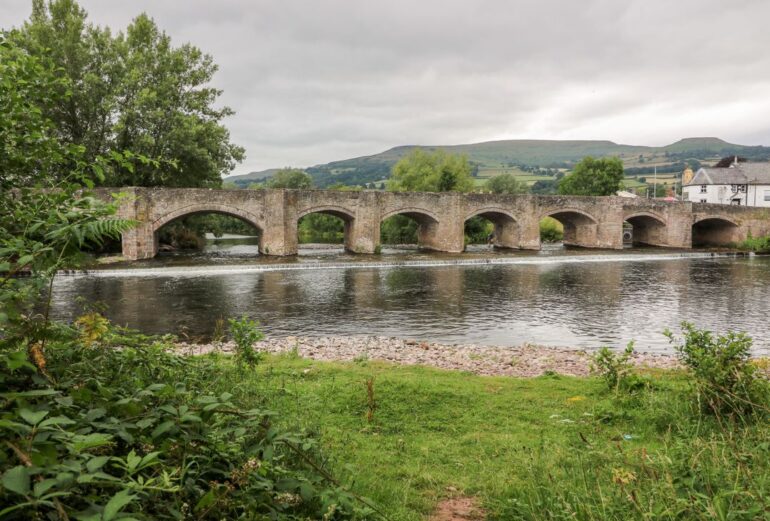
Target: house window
{"type": "Point", "coordinates": [703, 201]}
{"type": "Point", "coordinates": [735, 202]}
{"type": "Point", "coordinates": [767, 195]}
{"type": "Point", "coordinates": [703, 189]}
{"type": "Point", "coordinates": [742, 189]}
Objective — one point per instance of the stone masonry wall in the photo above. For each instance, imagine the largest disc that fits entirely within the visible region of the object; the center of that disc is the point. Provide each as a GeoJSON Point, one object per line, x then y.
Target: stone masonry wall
{"type": "Point", "coordinates": [592, 222]}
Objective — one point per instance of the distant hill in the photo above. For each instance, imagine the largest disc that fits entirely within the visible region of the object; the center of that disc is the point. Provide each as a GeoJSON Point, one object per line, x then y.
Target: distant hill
{"type": "Point", "coordinates": [527, 156]}
{"type": "Point", "coordinates": [251, 177]}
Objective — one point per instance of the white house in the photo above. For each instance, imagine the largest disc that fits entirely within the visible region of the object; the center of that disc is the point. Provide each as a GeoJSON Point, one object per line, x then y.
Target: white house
{"type": "Point", "coordinates": [745, 184]}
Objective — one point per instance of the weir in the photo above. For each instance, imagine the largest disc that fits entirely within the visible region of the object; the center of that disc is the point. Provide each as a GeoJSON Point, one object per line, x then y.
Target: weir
{"type": "Point", "coordinates": [589, 222]}
{"type": "Point", "coordinates": [212, 270]}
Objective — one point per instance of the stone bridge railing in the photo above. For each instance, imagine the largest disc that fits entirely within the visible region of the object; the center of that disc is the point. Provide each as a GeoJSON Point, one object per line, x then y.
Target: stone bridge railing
{"type": "Point", "coordinates": [591, 222]}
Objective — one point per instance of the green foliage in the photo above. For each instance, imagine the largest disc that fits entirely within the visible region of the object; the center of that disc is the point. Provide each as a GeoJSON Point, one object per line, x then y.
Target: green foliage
{"type": "Point", "coordinates": [505, 184]}
{"type": "Point", "coordinates": [617, 370]}
{"type": "Point", "coordinates": [91, 440]}
{"type": "Point", "coordinates": [593, 177]}
{"type": "Point", "coordinates": [321, 228]}
{"type": "Point", "coordinates": [245, 333]}
{"type": "Point", "coordinates": [477, 230]}
{"type": "Point", "coordinates": [545, 187]}
{"type": "Point", "coordinates": [132, 91]}
{"type": "Point", "coordinates": [291, 178]}
{"type": "Point", "coordinates": [422, 171]}
{"type": "Point", "coordinates": [756, 244]}
{"type": "Point", "coordinates": [551, 230]}
{"type": "Point", "coordinates": [398, 229]}
{"type": "Point", "coordinates": [47, 217]}
{"type": "Point", "coordinates": [724, 379]}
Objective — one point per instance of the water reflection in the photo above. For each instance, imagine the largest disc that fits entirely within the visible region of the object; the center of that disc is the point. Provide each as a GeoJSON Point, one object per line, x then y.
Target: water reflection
{"type": "Point", "coordinates": [573, 304]}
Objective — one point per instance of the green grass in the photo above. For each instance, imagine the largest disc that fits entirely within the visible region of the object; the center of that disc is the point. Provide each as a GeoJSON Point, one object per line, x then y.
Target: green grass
{"type": "Point", "coordinates": [528, 448]}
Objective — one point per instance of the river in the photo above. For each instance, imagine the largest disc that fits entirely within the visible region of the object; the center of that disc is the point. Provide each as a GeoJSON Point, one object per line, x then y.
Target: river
{"type": "Point", "coordinates": [558, 297]}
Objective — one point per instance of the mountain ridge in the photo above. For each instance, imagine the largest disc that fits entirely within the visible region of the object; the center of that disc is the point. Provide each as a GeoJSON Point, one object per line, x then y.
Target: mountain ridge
{"type": "Point", "coordinates": [493, 157]}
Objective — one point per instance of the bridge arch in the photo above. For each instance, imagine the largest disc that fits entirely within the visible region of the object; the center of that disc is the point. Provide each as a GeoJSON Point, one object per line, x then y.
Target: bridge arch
{"type": "Point", "coordinates": [715, 230]}
{"type": "Point", "coordinates": [337, 211]}
{"type": "Point", "coordinates": [426, 222]}
{"type": "Point", "coordinates": [323, 229]}
{"type": "Point", "coordinates": [580, 227]}
{"type": "Point", "coordinates": [506, 227]}
{"type": "Point", "coordinates": [196, 209]}
{"type": "Point", "coordinates": [649, 228]}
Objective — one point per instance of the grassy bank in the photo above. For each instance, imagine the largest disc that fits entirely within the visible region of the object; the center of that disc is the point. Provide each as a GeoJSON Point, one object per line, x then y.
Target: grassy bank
{"type": "Point", "coordinates": [551, 447]}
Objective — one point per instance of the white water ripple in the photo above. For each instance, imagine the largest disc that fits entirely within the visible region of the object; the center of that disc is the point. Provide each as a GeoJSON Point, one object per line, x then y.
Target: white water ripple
{"type": "Point", "coordinates": [235, 269]}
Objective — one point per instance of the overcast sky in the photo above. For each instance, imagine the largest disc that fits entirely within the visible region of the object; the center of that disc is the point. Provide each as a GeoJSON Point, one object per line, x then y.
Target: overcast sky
{"type": "Point", "coordinates": [313, 81]}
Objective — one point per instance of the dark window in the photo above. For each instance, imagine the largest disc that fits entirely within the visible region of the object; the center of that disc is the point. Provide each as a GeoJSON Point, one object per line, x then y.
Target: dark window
{"type": "Point", "coordinates": [703, 189]}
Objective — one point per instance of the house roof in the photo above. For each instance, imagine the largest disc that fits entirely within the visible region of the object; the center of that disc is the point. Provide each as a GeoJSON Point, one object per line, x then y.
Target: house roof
{"type": "Point", "coordinates": [740, 174]}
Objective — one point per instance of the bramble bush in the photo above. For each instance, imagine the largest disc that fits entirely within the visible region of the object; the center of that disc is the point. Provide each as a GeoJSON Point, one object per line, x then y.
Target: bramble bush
{"type": "Point", "coordinates": [616, 369]}
{"type": "Point", "coordinates": [246, 333]}
{"type": "Point", "coordinates": [723, 378]}
{"type": "Point", "coordinates": [122, 428]}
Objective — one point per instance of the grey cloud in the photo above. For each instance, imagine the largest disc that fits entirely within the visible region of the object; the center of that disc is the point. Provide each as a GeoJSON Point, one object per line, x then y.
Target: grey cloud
{"type": "Point", "coordinates": [323, 80]}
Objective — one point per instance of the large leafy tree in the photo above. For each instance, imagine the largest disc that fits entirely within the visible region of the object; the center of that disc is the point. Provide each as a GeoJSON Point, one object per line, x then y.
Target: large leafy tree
{"type": "Point", "coordinates": [133, 91]}
{"type": "Point", "coordinates": [45, 214]}
{"type": "Point", "coordinates": [593, 177]}
{"type": "Point", "coordinates": [290, 178]}
{"type": "Point", "coordinates": [506, 184]}
{"type": "Point", "coordinates": [421, 171]}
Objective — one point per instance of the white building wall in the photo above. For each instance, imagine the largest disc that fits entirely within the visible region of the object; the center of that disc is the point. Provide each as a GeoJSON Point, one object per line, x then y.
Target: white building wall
{"type": "Point", "coordinates": [755, 195]}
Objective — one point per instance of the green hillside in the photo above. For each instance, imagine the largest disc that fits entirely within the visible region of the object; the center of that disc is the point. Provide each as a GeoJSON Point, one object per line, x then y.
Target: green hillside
{"type": "Point", "coordinates": [527, 158]}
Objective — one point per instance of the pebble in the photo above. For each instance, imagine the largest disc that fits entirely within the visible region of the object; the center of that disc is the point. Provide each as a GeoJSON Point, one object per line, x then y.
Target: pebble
{"type": "Point", "coordinates": [527, 360]}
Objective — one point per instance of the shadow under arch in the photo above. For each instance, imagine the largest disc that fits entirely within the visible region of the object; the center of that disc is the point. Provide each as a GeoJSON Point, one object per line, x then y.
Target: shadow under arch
{"type": "Point", "coordinates": [715, 231]}
{"type": "Point", "coordinates": [201, 209]}
{"type": "Point", "coordinates": [648, 228]}
{"type": "Point", "coordinates": [506, 227]}
{"type": "Point", "coordinates": [580, 228]}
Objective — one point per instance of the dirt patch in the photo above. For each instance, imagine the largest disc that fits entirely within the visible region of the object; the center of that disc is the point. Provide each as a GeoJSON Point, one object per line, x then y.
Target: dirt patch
{"type": "Point", "coordinates": [458, 509]}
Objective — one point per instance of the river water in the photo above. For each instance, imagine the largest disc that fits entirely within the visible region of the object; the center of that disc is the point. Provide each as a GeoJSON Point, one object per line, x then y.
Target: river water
{"type": "Point", "coordinates": [574, 298]}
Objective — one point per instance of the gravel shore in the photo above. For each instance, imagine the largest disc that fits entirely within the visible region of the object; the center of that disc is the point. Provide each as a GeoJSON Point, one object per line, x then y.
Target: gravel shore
{"type": "Point", "coordinates": [523, 361]}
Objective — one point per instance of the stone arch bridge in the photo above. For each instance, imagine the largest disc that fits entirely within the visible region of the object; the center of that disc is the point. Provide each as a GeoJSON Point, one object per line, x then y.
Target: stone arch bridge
{"type": "Point", "coordinates": [590, 222]}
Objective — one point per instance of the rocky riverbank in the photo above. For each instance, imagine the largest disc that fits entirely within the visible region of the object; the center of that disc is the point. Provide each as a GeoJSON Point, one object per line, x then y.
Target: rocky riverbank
{"type": "Point", "coordinates": [524, 361]}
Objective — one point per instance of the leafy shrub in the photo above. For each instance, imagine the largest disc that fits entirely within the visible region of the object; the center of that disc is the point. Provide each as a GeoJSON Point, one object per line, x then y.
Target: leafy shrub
{"type": "Point", "coordinates": [551, 230]}
{"type": "Point", "coordinates": [246, 333]}
{"type": "Point", "coordinates": [756, 244]}
{"type": "Point", "coordinates": [617, 370]}
{"type": "Point", "coordinates": [97, 441]}
{"type": "Point", "coordinates": [725, 380]}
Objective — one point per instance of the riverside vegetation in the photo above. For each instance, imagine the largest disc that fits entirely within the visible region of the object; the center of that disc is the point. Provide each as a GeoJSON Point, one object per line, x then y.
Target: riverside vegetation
{"type": "Point", "coordinates": [100, 423]}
